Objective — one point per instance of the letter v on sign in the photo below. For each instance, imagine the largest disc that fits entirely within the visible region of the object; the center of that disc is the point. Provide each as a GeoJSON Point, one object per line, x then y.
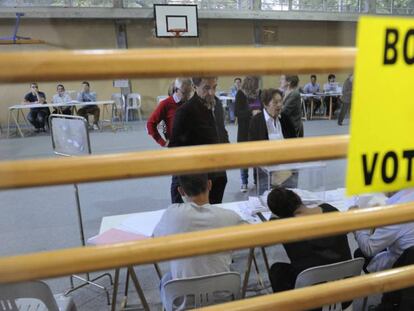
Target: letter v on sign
{"type": "Point", "coordinates": [381, 149]}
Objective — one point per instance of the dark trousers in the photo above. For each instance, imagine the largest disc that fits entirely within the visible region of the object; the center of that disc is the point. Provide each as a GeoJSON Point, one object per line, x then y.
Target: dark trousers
{"type": "Point", "coordinates": [38, 117]}
{"type": "Point", "coordinates": [93, 110]}
{"type": "Point", "coordinates": [344, 110]}
{"type": "Point", "coordinates": [216, 194]}
{"type": "Point", "coordinates": [335, 104]}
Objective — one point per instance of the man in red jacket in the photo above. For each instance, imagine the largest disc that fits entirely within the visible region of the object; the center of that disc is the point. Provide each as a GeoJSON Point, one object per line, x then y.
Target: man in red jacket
{"type": "Point", "coordinates": [165, 111]}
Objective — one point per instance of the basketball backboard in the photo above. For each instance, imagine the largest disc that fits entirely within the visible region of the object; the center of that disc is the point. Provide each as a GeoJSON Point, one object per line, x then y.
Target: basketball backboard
{"type": "Point", "coordinates": [176, 20]}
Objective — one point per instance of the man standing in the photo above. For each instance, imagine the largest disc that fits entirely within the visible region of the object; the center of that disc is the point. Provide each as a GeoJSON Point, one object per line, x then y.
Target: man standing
{"type": "Point", "coordinates": [312, 88]}
{"type": "Point", "coordinates": [232, 103]}
{"type": "Point", "coordinates": [87, 96]}
{"type": "Point", "coordinates": [37, 116]}
{"type": "Point", "coordinates": [195, 215]}
{"type": "Point", "coordinates": [346, 98]}
{"type": "Point", "coordinates": [200, 121]}
{"type": "Point", "coordinates": [165, 111]}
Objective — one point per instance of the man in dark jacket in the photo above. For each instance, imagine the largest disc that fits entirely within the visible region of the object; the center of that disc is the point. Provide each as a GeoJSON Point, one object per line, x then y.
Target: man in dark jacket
{"type": "Point", "coordinates": [200, 121]}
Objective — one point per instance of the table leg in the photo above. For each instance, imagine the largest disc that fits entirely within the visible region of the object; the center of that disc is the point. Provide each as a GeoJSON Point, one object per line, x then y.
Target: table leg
{"type": "Point", "coordinates": [115, 290]}
{"type": "Point", "coordinates": [266, 260]}
{"type": "Point", "coordinates": [247, 273]}
{"type": "Point", "coordinates": [157, 268]}
{"type": "Point", "coordinates": [8, 123]}
{"type": "Point", "coordinates": [138, 288]}
{"type": "Point", "coordinates": [17, 123]}
{"type": "Point", "coordinates": [311, 112]}
{"type": "Point", "coordinates": [330, 107]}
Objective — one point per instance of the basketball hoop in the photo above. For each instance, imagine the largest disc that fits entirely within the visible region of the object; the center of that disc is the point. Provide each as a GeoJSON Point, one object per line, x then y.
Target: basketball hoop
{"type": "Point", "coordinates": [176, 32]}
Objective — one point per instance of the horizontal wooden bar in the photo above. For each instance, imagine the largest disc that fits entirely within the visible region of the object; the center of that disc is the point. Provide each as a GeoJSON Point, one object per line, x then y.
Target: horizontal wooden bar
{"type": "Point", "coordinates": [324, 294]}
{"type": "Point", "coordinates": [151, 63]}
{"type": "Point", "coordinates": [21, 41]}
{"type": "Point", "coordinates": [26, 173]}
{"type": "Point", "coordinates": [78, 260]}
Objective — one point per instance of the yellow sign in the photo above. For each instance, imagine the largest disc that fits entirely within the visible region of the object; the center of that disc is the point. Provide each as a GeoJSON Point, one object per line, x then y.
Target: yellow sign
{"type": "Point", "coordinates": [381, 151]}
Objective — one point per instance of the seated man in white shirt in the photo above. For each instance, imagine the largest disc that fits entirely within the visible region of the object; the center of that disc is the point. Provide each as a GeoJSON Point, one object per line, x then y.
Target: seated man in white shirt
{"type": "Point", "coordinates": [312, 88]}
{"type": "Point", "coordinates": [385, 245]}
{"type": "Point", "coordinates": [61, 97]}
{"type": "Point", "coordinates": [195, 215]}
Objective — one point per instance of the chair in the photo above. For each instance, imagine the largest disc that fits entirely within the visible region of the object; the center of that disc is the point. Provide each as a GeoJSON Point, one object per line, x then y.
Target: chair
{"type": "Point", "coordinates": [133, 103]}
{"type": "Point", "coordinates": [201, 291]}
{"type": "Point", "coordinates": [328, 273]}
{"type": "Point", "coordinates": [33, 295]}
{"type": "Point", "coordinates": [119, 107]}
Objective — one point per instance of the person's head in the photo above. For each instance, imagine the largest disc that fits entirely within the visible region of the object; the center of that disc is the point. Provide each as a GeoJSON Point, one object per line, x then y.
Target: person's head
{"type": "Point", "coordinates": [292, 81]}
{"type": "Point", "coordinates": [313, 79]}
{"type": "Point", "coordinates": [85, 86]}
{"type": "Point", "coordinates": [250, 86]}
{"type": "Point", "coordinates": [34, 87]}
{"type": "Point", "coordinates": [272, 101]}
{"type": "Point", "coordinates": [238, 82]}
{"type": "Point", "coordinates": [282, 82]}
{"type": "Point", "coordinates": [283, 202]}
{"type": "Point", "coordinates": [183, 88]}
{"type": "Point", "coordinates": [206, 88]}
{"type": "Point", "coordinates": [60, 89]}
{"type": "Point", "coordinates": [194, 185]}
{"type": "Point", "coordinates": [331, 78]}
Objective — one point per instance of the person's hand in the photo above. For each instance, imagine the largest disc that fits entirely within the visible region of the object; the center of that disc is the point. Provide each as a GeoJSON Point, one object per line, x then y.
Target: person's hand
{"type": "Point", "coordinates": [167, 142]}
{"type": "Point", "coordinates": [255, 112]}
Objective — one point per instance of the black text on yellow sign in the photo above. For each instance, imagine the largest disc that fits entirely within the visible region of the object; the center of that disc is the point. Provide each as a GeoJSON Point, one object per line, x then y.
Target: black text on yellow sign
{"type": "Point", "coordinates": [381, 149]}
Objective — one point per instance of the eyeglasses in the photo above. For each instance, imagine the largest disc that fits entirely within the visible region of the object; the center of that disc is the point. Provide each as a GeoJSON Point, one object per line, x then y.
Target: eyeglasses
{"type": "Point", "coordinates": [35, 87]}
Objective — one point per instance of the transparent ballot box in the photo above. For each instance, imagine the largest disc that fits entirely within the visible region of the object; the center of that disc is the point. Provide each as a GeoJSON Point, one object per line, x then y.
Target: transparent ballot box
{"type": "Point", "coordinates": [308, 176]}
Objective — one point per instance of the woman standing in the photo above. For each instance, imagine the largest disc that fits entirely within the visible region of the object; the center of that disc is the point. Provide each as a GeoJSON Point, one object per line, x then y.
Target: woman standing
{"type": "Point", "coordinates": [247, 104]}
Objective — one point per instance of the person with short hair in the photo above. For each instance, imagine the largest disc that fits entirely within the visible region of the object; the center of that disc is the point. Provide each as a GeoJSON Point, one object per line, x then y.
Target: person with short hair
{"type": "Point", "coordinates": [285, 203]}
{"type": "Point", "coordinates": [166, 109]}
{"type": "Point", "coordinates": [61, 97]}
{"type": "Point", "coordinates": [346, 98]}
{"type": "Point", "coordinates": [196, 214]}
{"type": "Point", "coordinates": [328, 87]}
{"type": "Point", "coordinates": [232, 103]}
{"type": "Point", "coordinates": [248, 104]}
{"type": "Point", "coordinates": [37, 116]}
{"type": "Point", "coordinates": [312, 88]}
{"type": "Point", "coordinates": [292, 105]}
{"type": "Point", "coordinates": [87, 96]}
{"type": "Point", "coordinates": [200, 121]}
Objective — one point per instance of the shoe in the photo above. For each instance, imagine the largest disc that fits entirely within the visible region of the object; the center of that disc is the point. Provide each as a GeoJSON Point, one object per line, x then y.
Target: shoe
{"type": "Point", "coordinates": [96, 127]}
{"type": "Point", "coordinates": [243, 188]}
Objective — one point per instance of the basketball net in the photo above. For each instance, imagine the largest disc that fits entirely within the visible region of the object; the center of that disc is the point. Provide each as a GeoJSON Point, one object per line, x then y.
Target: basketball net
{"type": "Point", "coordinates": [176, 32]}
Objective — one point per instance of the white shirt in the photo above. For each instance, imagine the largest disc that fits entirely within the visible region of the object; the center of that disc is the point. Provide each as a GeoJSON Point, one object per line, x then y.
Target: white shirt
{"type": "Point", "coordinates": [274, 128]}
{"type": "Point", "coordinates": [57, 99]}
{"type": "Point", "coordinates": [188, 217]}
{"type": "Point", "coordinates": [393, 239]}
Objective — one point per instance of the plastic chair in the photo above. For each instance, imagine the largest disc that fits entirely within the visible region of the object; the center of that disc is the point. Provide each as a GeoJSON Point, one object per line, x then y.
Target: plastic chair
{"type": "Point", "coordinates": [328, 273]}
{"type": "Point", "coordinates": [33, 295]}
{"type": "Point", "coordinates": [134, 103]}
{"type": "Point", "coordinates": [119, 105]}
{"type": "Point", "coordinates": [188, 293]}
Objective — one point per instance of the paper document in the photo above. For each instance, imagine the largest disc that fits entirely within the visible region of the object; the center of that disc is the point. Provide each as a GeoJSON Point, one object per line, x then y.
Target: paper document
{"type": "Point", "coordinates": [113, 236]}
{"type": "Point", "coordinates": [142, 223]}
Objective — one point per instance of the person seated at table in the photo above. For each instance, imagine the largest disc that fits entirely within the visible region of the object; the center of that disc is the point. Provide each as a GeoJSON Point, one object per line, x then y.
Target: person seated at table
{"type": "Point", "coordinates": [331, 87]}
{"type": "Point", "coordinates": [382, 247]}
{"type": "Point", "coordinates": [87, 96]}
{"type": "Point", "coordinates": [61, 98]}
{"type": "Point", "coordinates": [312, 88]}
{"type": "Point", "coordinates": [292, 105]}
{"type": "Point", "coordinates": [37, 116]}
{"type": "Point", "coordinates": [195, 215]}
{"type": "Point", "coordinates": [285, 203]}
